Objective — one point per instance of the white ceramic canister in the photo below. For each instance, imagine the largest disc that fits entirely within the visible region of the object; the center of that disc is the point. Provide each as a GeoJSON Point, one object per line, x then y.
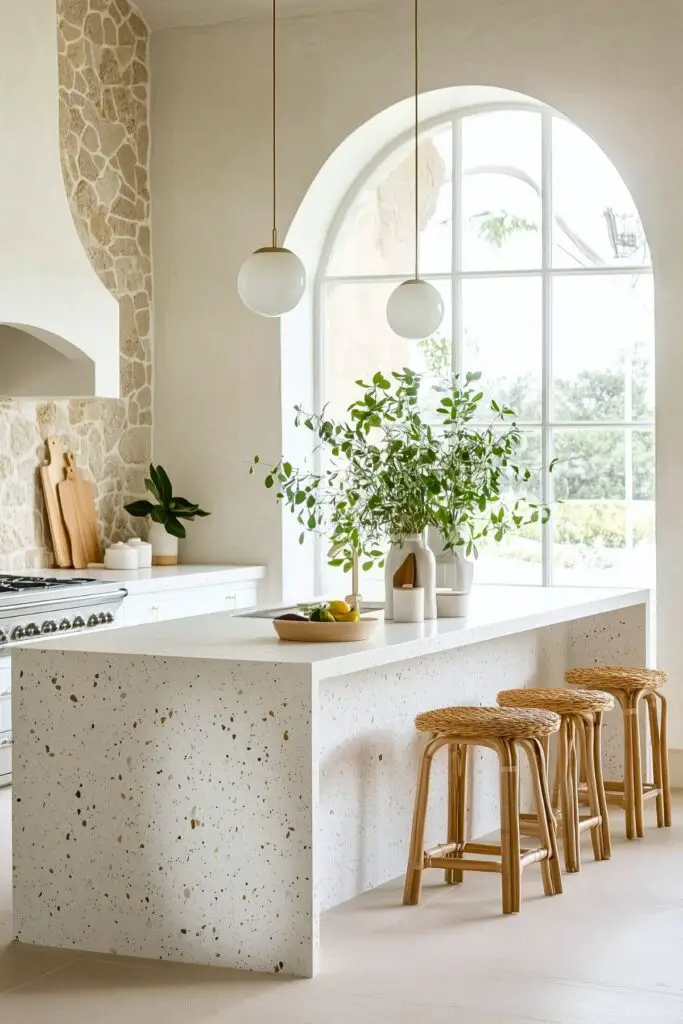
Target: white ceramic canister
{"type": "Point", "coordinates": [143, 552]}
{"type": "Point", "coordinates": [409, 604]}
{"type": "Point", "coordinates": [452, 604]}
{"type": "Point", "coordinates": [120, 556]}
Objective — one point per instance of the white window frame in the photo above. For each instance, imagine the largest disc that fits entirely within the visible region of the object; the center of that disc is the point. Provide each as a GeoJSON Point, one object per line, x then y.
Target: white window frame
{"type": "Point", "coordinates": [546, 274]}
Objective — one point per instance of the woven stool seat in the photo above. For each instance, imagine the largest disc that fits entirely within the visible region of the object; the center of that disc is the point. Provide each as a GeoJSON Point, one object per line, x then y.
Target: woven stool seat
{"type": "Point", "coordinates": [498, 723]}
{"type": "Point", "coordinates": [563, 702]}
{"type": "Point", "coordinates": [617, 678]}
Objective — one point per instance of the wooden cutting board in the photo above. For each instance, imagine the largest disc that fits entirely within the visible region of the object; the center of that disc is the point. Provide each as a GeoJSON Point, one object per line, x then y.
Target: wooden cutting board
{"type": "Point", "coordinates": [51, 474]}
{"type": "Point", "coordinates": [77, 501]}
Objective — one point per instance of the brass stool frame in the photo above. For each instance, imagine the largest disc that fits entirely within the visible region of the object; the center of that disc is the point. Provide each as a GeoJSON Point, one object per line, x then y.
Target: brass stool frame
{"type": "Point", "coordinates": [451, 856]}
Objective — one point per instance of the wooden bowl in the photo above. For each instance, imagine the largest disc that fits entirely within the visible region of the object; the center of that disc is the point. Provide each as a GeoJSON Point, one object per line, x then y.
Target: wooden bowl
{"type": "Point", "coordinates": [324, 632]}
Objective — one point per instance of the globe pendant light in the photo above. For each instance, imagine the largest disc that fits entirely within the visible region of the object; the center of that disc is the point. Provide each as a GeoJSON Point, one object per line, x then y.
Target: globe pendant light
{"type": "Point", "coordinates": [415, 308]}
{"type": "Point", "coordinates": [272, 280]}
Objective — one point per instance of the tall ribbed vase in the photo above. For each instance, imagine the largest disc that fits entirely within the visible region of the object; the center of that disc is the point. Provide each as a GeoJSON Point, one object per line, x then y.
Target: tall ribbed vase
{"type": "Point", "coordinates": [414, 544]}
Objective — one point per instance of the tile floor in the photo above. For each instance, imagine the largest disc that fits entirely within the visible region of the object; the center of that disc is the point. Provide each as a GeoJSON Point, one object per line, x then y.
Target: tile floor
{"type": "Point", "coordinates": [607, 952]}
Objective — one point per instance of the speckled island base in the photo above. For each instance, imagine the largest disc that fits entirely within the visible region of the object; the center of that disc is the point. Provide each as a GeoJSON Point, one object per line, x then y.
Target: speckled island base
{"type": "Point", "coordinates": [204, 798]}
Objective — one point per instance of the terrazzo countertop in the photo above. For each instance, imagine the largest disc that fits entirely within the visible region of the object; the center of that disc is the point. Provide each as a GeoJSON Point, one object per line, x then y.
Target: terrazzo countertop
{"type": "Point", "coordinates": [161, 577]}
{"type": "Point", "coordinates": [495, 612]}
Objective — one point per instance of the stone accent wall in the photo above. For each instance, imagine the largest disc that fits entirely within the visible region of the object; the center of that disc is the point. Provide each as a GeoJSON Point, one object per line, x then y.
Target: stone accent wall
{"type": "Point", "coordinates": [104, 133]}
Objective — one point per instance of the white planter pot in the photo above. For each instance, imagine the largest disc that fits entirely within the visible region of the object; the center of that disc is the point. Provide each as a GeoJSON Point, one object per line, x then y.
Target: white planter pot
{"type": "Point", "coordinates": [414, 544]}
{"type": "Point", "coordinates": [164, 546]}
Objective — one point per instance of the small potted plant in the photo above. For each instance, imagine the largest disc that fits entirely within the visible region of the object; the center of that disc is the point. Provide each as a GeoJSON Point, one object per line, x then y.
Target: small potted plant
{"type": "Point", "coordinates": [165, 513]}
{"type": "Point", "coordinates": [392, 470]}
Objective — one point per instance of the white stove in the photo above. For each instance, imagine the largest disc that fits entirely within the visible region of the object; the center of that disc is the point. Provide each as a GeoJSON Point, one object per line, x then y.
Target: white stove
{"type": "Point", "coordinates": [35, 607]}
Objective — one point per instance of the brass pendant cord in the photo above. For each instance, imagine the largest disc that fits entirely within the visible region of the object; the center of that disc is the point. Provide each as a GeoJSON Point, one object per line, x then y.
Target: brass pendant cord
{"type": "Point", "coordinates": [417, 166]}
{"type": "Point", "coordinates": [274, 140]}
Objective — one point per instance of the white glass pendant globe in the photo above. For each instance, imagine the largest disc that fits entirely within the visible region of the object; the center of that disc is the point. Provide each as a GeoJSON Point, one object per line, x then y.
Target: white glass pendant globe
{"type": "Point", "coordinates": [271, 281]}
{"type": "Point", "coordinates": [415, 309]}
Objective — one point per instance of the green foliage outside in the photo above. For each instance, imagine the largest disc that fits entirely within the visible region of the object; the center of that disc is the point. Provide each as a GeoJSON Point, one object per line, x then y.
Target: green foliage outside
{"type": "Point", "coordinates": [589, 477]}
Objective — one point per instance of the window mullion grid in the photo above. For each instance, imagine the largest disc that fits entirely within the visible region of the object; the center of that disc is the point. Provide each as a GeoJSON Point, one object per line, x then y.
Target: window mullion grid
{"type": "Point", "coordinates": [628, 487]}
{"type": "Point", "coordinates": [546, 352]}
{"type": "Point", "coordinates": [457, 339]}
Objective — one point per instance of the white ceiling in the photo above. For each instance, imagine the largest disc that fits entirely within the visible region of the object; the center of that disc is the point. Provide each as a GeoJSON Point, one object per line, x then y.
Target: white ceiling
{"type": "Point", "coordinates": [172, 13]}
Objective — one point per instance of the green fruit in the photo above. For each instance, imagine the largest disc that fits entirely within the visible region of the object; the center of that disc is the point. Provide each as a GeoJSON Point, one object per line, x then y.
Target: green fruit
{"type": "Point", "coordinates": [326, 616]}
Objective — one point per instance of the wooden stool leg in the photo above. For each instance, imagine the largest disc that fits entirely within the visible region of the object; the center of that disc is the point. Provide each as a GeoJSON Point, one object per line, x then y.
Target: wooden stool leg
{"type": "Point", "coordinates": [629, 799]}
{"type": "Point", "coordinates": [600, 784]}
{"type": "Point", "coordinates": [509, 826]}
{"type": "Point", "coordinates": [556, 797]}
{"type": "Point", "coordinates": [585, 727]}
{"type": "Point", "coordinates": [569, 794]}
{"type": "Point", "coordinates": [656, 745]}
{"type": "Point", "coordinates": [413, 883]}
{"type": "Point", "coordinates": [555, 870]}
{"type": "Point", "coordinates": [637, 765]}
{"type": "Point", "coordinates": [664, 748]}
{"type": "Point", "coordinates": [457, 803]}
{"type": "Point", "coordinates": [536, 757]}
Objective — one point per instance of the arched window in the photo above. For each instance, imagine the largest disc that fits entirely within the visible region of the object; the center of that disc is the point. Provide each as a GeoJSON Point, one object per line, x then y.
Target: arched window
{"type": "Point", "coordinates": [536, 245]}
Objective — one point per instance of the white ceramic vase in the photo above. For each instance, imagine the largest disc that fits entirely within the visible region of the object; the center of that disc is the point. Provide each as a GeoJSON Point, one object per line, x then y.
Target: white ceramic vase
{"type": "Point", "coordinates": [164, 546]}
{"type": "Point", "coordinates": [414, 544]}
{"type": "Point", "coordinates": [453, 570]}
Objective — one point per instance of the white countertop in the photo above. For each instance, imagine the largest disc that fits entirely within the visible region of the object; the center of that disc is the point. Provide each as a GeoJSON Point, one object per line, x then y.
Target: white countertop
{"type": "Point", "coordinates": [495, 612]}
{"type": "Point", "coordinates": [160, 577]}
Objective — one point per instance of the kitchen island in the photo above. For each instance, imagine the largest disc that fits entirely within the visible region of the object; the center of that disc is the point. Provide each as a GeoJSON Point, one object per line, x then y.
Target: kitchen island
{"type": "Point", "coordinates": [199, 791]}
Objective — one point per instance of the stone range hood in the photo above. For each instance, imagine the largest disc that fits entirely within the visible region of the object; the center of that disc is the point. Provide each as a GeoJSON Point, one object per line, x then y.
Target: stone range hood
{"type": "Point", "coordinates": [59, 325]}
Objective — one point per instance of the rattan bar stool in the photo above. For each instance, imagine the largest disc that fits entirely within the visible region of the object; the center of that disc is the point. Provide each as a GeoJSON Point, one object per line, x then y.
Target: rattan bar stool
{"type": "Point", "coordinates": [504, 731]}
{"type": "Point", "coordinates": [579, 752]}
{"type": "Point", "coordinates": [630, 686]}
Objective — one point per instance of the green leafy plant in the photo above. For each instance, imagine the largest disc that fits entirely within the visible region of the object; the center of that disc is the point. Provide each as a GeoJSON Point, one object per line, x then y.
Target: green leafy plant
{"type": "Point", "coordinates": [166, 509]}
{"type": "Point", "coordinates": [389, 470]}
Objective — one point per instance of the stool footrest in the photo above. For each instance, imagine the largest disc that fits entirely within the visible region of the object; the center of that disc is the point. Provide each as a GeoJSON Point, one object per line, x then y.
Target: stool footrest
{"type": "Point", "coordinates": [462, 864]}
{"type": "Point", "coordinates": [443, 857]}
{"type": "Point", "coordinates": [616, 795]}
{"type": "Point", "coordinates": [529, 825]}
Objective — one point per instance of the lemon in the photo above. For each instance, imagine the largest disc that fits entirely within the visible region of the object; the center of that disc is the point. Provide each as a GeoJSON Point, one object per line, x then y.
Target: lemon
{"type": "Point", "coordinates": [353, 616]}
{"type": "Point", "coordinates": [338, 608]}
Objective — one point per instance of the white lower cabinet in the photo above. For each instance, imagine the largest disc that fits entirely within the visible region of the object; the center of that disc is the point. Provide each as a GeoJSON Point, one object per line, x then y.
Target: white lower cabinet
{"type": "Point", "coordinates": [160, 606]}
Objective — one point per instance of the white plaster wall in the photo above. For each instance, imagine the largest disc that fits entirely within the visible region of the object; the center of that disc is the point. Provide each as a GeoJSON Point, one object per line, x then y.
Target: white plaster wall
{"type": "Point", "coordinates": [615, 69]}
{"type": "Point", "coordinates": [47, 283]}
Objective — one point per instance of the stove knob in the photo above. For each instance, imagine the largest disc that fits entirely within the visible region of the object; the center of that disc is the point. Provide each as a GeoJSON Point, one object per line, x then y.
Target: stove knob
{"type": "Point", "coordinates": [64, 625]}
{"type": "Point", "coordinates": [3, 637]}
{"type": "Point", "coordinates": [32, 629]}
{"type": "Point", "coordinates": [109, 617]}
{"type": "Point", "coordinates": [18, 633]}
{"type": "Point", "coordinates": [49, 626]}
{"type": "Point", "coordinates": [93, 620]}
{"type": "Point", "coordinates": [102, 618]}
{"type": "Point", "coordinates": [78, 623]}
